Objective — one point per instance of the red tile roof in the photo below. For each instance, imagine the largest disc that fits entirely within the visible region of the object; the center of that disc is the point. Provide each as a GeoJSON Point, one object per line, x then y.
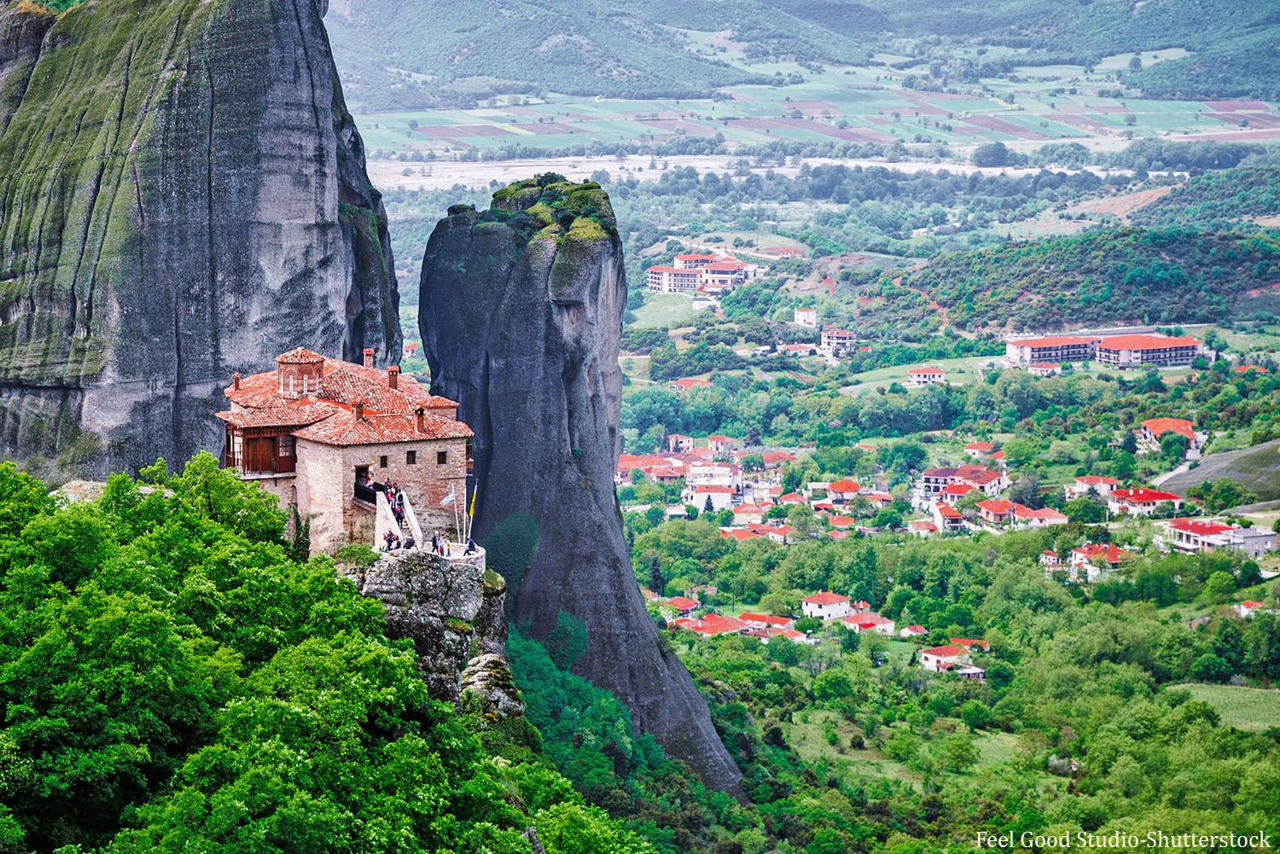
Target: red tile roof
{"type": "Point", "coordinates": [933, 370]}
{"type": "Point", "coordinates": [1159, 426]}
{"type": "Point", "coordinates": [327, 416]}
{"type": "Point", "coordinates": [278, 416]}
{"type": "Point", "coordinates": [947, 651]}
{"type": "Point", "coordinates": [299, 356]}
{"type": "Point", "coordinates": [738, 534]}
{"type": "Point", "coordinates": [1106, 551]}
{"type": "Point", "coordinates": [345, 429]}
{"type": "Point", "coordinates": [996, 506]}
{"type": "Point", "coordinates": [683, 603]}
{"type": "Point", "coordinates": [1145, 342]}
{"type": "Point", "coordinates": [984, 447]}
{"type": "Point", "coordinates": [1143, 495]}
{"type": "Point", "coordinates": [825, 598]}
{"type": "Point", "coordinates": [768, 619]}
{"type": "Point", "coordinates": [1096, 480]}
{"type": "Point", "coordinates": [946, 511]}
{"type": "Point", "coordinates": [1200, 527]}
{"type": "Point", "coordinates": [844, 486]}
{"type": "Point", "coordinates": [690, 382]}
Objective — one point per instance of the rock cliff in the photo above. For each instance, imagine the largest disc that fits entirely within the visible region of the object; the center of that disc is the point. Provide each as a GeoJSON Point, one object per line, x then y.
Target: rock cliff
{"type": "Point", "coordinates": [452, 610]}
{"type": "Point", "coordinates": [521, 311]}
{"type": "Point", "coordinates": [182, 195]}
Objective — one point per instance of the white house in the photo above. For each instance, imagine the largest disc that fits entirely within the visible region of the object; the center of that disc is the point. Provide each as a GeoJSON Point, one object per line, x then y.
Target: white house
{"type": "Point", "coordinates": [1205, 535]}
{"type": "Point", "coordinates": [721, 496]}
{"type": "Point", "coordinates": [942, 658]}
{"type": "Point", "coordinates": [926, 376]}
{"type": "Point", "coordinates": [1140, 502]}
{"type": "Point", "coordinates": [806, 317]}
{"type": "Point", "coordinates": [826, 606]}
{"type": "Point", "coordinates": [1102, 486]}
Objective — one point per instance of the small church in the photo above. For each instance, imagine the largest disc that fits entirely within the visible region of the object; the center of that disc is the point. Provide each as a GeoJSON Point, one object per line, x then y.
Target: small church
{"type": "Point", "coordinates": [331, 437]}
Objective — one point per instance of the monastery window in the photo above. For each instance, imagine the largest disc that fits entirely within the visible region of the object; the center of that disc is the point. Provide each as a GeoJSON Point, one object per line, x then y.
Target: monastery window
{"type": "Point", "coordinates": [410, 458]}
{"type": "Point", "coordinates": [442, 457]}
{"type": "Point", "coordinates": [382, 462]}
{"type": "Point", "coordinates": [286, 446]}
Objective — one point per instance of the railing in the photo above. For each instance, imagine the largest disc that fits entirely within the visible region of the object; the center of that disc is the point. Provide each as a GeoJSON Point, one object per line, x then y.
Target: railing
{"type": "Point", "coordinates": [368, 494]}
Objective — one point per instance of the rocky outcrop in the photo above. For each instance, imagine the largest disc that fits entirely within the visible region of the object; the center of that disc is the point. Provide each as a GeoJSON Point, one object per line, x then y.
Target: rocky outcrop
{"type": "Point", "coordinates": [521, 311]}
{"type": "Point", "coordinates": [453, 612]}
{"type": "Point", "coordinates": [182, 195]}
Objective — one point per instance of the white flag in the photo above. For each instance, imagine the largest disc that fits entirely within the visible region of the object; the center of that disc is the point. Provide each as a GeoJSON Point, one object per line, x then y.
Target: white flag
{"type": "Point", "coordinates": [450, 498]}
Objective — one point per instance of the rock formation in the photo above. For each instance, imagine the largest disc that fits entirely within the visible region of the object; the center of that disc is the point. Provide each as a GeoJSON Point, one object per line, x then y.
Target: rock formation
{"type": "Point", "coordinates": [182, 195]}
{"type": "Point", "coordinates": [452, 610]}
{"type": "Point", "coordinates": [521, 312]}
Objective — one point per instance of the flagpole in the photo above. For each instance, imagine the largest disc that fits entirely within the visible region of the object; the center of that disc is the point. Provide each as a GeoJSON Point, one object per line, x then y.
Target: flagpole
{"type": "Point", "coordinates": [453, 493]}
{"type": "Point", "coordinates": [471, 510]}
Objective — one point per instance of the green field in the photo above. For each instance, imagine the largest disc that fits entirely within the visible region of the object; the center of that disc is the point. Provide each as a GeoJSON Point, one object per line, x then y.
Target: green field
{"type": "Point", "coordinates": [1252, 709]}
{"type": "Point", "coordinates": [669, 310]}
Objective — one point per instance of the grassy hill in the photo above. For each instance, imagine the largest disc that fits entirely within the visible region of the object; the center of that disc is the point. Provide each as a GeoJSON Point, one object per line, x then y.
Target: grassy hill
{"type": "Point", "coordinates": [1256, 469]}
{"type": "Point", "coordinates": [392, 56]}
{"type": "Point", "coordinates": [1251, 709]}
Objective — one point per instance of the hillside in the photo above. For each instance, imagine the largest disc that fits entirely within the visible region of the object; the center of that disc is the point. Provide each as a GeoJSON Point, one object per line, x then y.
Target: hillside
{"type": "Point", "coordinates": [671, 49]}
{"type": "Point", "coordinates": [1257, 469]}
{"type": "Point", "coordinates": [1105, 276]}
{"type": "Point", "coordinates": [1217, 199]}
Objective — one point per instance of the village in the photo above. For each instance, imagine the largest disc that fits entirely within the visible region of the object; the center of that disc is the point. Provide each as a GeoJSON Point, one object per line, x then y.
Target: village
{"type": "Point", "coordinates": [742, 489]}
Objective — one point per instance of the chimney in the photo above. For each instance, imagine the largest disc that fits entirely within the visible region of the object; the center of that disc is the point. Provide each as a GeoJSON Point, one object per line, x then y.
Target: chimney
{"type": "Point", "coordinates": [358, 409]}
{"type": "Point", "coordinates": [422, 419]}
{"type": "Point", "coordinates": [368, 357]}
{"type": "Point", "coordinates": [235, 380]}
{"type": "Point", "coordinates": [393, 376]}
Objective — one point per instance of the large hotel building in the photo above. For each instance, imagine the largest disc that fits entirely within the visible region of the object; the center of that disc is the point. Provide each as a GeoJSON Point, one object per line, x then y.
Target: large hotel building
{"type": "Point", "coordinates": [1121, 351]}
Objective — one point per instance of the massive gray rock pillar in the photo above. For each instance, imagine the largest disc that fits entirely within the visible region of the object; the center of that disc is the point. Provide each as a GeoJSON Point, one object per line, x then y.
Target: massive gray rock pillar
{"type": "Point", "coordinates": [521, 311]}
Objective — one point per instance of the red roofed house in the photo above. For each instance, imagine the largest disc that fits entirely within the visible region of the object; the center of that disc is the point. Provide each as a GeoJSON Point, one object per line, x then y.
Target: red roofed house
{"type": "Point", "coordinates": [922, 527]}
{"type": "Point", "coordinates": [913, 632]}
{"type": "Point", "coordinates": [746, 514]}
{"type": "Point", "coordinates": [739, 534]}
{"type": "Point", "coordinates": [714, 625]}
{"type": "Point", "coordinates": [1162, 351]}
{"type": "Point", "coordinates": [953, 491]}
{"type": "Point", "coordinates": [687, 383]}
{"type": "Point", "coordinates": [934, 481]}
{"type": "Point", "coordinates": [979, 449]}
{"type": "Point", "coordinates": [694, 261]}
{"type": "Point", "coordinates": [942, 658]}
{"type": "Point", "coordinates": [683, 605]}
{"type": "Point", "coordinates": [1101, 486]}
{"type": "Point", "coordinates": [721, 497]}
{"type": "Point", "coordinates": [1248, 369]}
{"type": "Point", "coordinates": [1252, 607]}
{"type": "Point", "coordinates": [765, 621]}
{"type": "Point", "coordinates": [926, 376]}
{"type": "Point", "coordinates": [1205, 535]}
{"type": "Point", "coordinates": [1096, 560]}
{"type": "Point", "coordinates": [1044, 369]}
{"type": "Point", "coordinates": [1025, 517]}
{"type": "Point", "coordinates": [970, 644]}
{"type": "Point", "coordinates": [791, 498]}
{"type": "Point", "coordinates": [997, 511]}
{"type": "Point", "coordinates": [842, 491]}
{"type": "Point", "coordinates": [1140, 502]}
{"type": "Point", "coordinates": [315, 431]}
{"type": "Point", "coordinates": [947, 518]}
{"type": "Point", "coordinates": [868, 622]}
{"type": "Point", "coordinates": [773, 459]}
{"type": "Point", "coordinates": [836, 341]}
{"type": "Point", "coordinates": [826, 606]}
{"type": "Point", "coordinates": [1153, 431]}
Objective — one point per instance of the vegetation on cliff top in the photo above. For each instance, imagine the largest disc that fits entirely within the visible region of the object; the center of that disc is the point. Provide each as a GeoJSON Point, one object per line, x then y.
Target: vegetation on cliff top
{"type": "Point", "coordinates": [551, 206]}
{"type": "Point", "coordinates": [171, 678]}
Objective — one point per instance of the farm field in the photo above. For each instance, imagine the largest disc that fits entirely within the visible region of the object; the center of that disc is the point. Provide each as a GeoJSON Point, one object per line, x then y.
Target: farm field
{"type": "Point", "coordinates": [1252, 709]}
{"type": "Point", "coordinates": [857, 104]}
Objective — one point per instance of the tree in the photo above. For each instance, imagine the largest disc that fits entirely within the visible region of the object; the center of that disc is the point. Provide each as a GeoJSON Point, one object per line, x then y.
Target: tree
{"type": "Point", "coordinates": [991, 154]}
{"type": "Point", "coordinates": [1219, 586]}
{"type": "Point", "coordinates": [1210, 668]}
{"type": "Point", "coordinates": [956, 753]}
{"type": "Point", "coordinates": [1085, 510]}
{"type": "Point", "coordinates": [975, 714]}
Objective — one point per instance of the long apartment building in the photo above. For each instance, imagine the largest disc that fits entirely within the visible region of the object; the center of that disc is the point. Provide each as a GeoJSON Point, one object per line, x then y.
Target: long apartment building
{"type": "Point", "coordinates": [1121, 351]}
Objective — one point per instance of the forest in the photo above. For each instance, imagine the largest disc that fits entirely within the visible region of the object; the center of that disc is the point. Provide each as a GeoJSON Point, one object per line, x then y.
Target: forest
{"type": "Point", "coordinates": [177, 677]}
